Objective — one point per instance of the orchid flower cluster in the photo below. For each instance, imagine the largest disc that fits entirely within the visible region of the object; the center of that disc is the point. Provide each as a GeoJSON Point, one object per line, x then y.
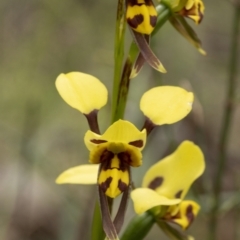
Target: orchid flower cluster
{"type": "Point", "coordinates": [161, 198]}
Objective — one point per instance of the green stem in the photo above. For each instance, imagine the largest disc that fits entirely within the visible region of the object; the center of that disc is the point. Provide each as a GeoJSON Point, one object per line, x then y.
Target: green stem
{"type": "Point", "coordinates": [118, 57]}
{"type": "Point", "coordinates": [120, 99]}
{"type": "Point", "coordinates": [97, 230]}
{"type": "Point", "coordinates": [139, 227]}
{"type": "Point", "coordinates": [226, 124]}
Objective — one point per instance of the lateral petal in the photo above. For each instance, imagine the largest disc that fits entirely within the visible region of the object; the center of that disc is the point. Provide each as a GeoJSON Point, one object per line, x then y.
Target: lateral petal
{"type": "Point", "coordinates": [145, 199]}
{"type": "Point", "coordinates": [84, 174]}
{"type": "Point", "coordinates": [173, 175]}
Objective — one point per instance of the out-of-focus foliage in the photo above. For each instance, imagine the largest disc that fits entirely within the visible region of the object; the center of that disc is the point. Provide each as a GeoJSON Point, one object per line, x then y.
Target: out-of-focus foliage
{"type": "Point", "coordinates": [40, 136]}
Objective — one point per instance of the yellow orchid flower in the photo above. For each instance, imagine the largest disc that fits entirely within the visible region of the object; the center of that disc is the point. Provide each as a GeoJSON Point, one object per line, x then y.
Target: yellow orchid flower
{"type": "Point", "coordinates": [166, 184]}
{"type": "Point", "coordinates": [121, 145]}
{"type": "Point", "coordinates": [193, 9]}
{"type": "Point", "coordinates": [117, 149]}
{"type": "Point", "coordinates": [144, 20]}
{"type": "Point", "coordinates": [112, 153]}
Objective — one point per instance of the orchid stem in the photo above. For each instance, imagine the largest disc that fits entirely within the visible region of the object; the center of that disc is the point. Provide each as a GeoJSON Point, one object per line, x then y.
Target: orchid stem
{"type": "Point", "coordinates": [226, 125]}
{"type": "Point", "coordinates": [97, 230]}
{"type": "Point", "coordinates": [118, 59]}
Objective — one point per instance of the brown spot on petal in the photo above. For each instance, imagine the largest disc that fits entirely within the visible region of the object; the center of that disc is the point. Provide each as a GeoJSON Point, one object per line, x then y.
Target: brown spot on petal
{"type": "Point", "coordinates": [92, 121]}
{"type": "Point", "coordinates": [190, 214]}
{"type": "Point", "coordinates": [106, 158]}
{"type": "Point", "coordinates": [138, 143]}
{"type": "Point", "coordinates": [105, 185]}
{"type": "Point", "coordinates": [122, 185]}
{"type": "Point", "coordinates": [178, 194]}
{"type": "Point", "coordinates": [153, 20]}
{"type": "Point", "coordinates": [124, 157]}
{"type": "Point", "coordinates": [156, 182]}
{"type": "Point", "coordinates": [135, 21]}
{"type": "Point", "coordinates": [148, 125]}
{"type": "Point", "coordinates": [97, 141]}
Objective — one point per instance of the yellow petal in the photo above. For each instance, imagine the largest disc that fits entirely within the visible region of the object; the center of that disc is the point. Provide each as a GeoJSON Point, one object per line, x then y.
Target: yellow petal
{"type": "Point", "coordinates": [141, 17]}
{"type": "Point", "coordinates": [82, 91]}
{"type": "Point", "coordinates": [173, 175]}
{"type": "Point", "coordinates": [119, 132]}
{"type": "Point", "coordinates": [84, 174]}
{"type": "Point", "coordinates": [166, 105]}
{"type": "Point", "coordinates": [145, 199]}
{"type": "Point", "coordinates": [187, 211]}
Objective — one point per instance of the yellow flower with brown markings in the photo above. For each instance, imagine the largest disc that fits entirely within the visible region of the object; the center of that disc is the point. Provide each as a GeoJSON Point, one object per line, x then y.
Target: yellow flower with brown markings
{"type": "Point", "coordinates": [166, 184]}
{"type": "Point", "coordinates": [141, 15]}
{"type": "Point", "coordinates": [193, 9]}
{"type": "Point", "coordinates": [119, 148]}
{"type": "Point", "coordinates": [116, 150]}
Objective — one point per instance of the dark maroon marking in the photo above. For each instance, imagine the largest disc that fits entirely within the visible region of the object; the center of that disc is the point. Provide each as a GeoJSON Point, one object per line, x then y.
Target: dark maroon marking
{"type": "Point", "coordinates": [132, 2]}
{"type": "Point", "coordinates": [156, 182]}
{"type": "Point", "coordinates": [125, 159]}
{"type": "Point", "coordinates": [105, 185]}
{"type": "Point", "coordinates": [148, 125]}
{"type": "Point", "coordinates": [97, 141]}
{"type": "Point", "coordinates": [138, 143]}
{"type": "Point", "coordinates": [178, 194]}
{"type": "Point", "coordinates": [92, 121]}
{"type": "Point", "coordinates": [122, 185]}
{"type": "Point", "coordinates": [189, 214]}
{"type": "Point", "coordinates": [153, 21]}
{"type": "Point", "coordinates": [149, 3]}
{"type": "Point", "coordinates": [106, 158]}
{"type": "Point", "coordinates": [199, 13]}
{"type": "Point", "coordinates": [135, 21]}
{"type": "Point", "coordinates": [135, 2]}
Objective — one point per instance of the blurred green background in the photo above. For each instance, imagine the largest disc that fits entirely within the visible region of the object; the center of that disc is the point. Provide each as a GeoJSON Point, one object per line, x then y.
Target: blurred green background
{"type": "Point", "coordinates": [40, 135]}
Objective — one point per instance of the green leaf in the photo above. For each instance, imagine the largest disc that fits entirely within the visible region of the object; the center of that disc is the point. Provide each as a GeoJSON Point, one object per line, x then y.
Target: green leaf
{"type": "Point", "coordinates": [172, 232]}
{"type": "Point", "coordinates": [97, 230]}
{"type": "Point", "coordinates": [139, 227]}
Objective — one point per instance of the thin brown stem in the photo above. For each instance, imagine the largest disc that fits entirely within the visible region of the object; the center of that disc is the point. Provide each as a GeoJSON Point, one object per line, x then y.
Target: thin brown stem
{"type": "Point", "coordinates": [226, 125]}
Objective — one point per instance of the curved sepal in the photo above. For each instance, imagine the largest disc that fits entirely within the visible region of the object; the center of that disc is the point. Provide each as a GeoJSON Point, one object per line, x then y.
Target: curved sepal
{"type": "Point", "coordinates": [147, 53]}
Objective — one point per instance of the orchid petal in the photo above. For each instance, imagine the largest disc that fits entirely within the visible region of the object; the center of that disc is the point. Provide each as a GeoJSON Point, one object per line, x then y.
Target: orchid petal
{"type": "Point", "coordinates": [119, 132]}
{"type": "Point", "coordinates": [82, 91]}
{"type": "Point", "coordinates": [173, 175]}
{"type": "Point", "coordinates": [84, 174]}
{"type": "Point", "coordinates": [145, 199]}
{"type": "Point", "coordinates": [166, 105]}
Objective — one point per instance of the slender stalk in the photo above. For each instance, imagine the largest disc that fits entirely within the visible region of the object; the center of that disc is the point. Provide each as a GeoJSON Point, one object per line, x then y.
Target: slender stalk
{"type": "Point", "coordinates": [226, 125]}
{"type": "Point", "coordinates": [118, 57]}
{"type": "Point", "coordinates": [97, 230]}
